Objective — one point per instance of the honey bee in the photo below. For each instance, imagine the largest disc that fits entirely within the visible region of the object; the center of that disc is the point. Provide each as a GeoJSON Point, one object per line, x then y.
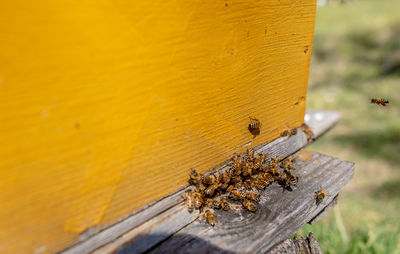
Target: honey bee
{"type": "Point", "coordinates": [236, 194]}
{"type": "Point", "coordinates": [224, 204]}
{"type": "Point", "coordinates": [291, 179]}
{"type": "Point", "coordinates": [209, 180]}
{"type": "Point", "coordinates": [226, 176]}
{"type": "Point", "coordinates": [253, 196]}
{"type": "Point", "coordinates": [210, 218]}
{"type": "Point", "coordinates": [230, 188]}
{"type": "Point", "coordinates": [254, 126]}
{"type": "Point", "coordinates": [274, 161]}
{"type": "Point", "coordinates": [197, 200]}
{"type": "Point", "coordinates": [248, 170]}
{"type": "Point", "coordinates": [288, 132]}
{"type": "Point", "coordinates": [213, 203]}
{"type": "Point", "coordinates": [236, 179]}
{"type": "Point", "coordinates": [194, 177]}
{"type": "Point", "coordinates": [211, 190]}
{"type": "Point", "coordinates": [307, 130]}
{"type": "Point", "coordinates": [248, 183]}
{"type": "Point", "coordinates": [288, 163]}
{"type": "Point", "coordinates": [319, 195]}
{"type": "Point", "coordinates": [250, 154]}
{"type": "Point", "coordinates": [379, 101]}
{"type": "Point", "coordinates": [249, 205]}
{"type": "Point", "coordinates": [261, 185]}
{"type": "Point", "coordinates": [260, 160]}
{"type": "Point", "coordinates": [189, 200]}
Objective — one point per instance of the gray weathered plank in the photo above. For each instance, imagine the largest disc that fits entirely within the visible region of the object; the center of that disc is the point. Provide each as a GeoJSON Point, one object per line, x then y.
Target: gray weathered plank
{"type": "Point", "coordinates": [319, 122]}
{"type": "Point", "coordinates": [297, 246]}
{"type": "Point", "coordinates": [280, 214]}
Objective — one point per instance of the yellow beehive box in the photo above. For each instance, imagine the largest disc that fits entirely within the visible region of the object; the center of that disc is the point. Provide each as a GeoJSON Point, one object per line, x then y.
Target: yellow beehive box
{"type": "Point", "coordinates": [105, 105]}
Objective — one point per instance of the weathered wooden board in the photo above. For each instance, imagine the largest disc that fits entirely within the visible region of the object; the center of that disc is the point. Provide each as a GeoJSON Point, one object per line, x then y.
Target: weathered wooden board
{"type": "Point", "coordinates": [104, 105]}
{"type": "Point", "coordinates": [299, 245]}
{"type": "Point", "coordinates": [280, 214]}
{"type": "Point", "coordinates": [111, 237]}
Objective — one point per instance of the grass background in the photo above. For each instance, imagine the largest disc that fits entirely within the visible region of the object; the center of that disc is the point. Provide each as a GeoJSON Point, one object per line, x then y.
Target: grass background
{"type": "Point", "coordinates": [356, 57]}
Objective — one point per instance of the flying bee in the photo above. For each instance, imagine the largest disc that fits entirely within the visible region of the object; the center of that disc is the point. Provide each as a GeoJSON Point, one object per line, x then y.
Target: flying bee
{"type": "Point", "coordinates": [288, 163]}
{"type": "Point", "coordinates": [254, 126]}
{"type": "Point", "coordinates": [209, 180]}
{"type": "Point", "coordinates": [379, 101]}
{"type": "Point", "coordinates": [189, 200]}
{"type": "Point", "coordinates": [210, 218]}
{"type": "Point", "coordinates": [253, 196]}
{"type": "Point", "coordinates": [249, 205]}
{"type": "Point", "coordinates": [224, 204]}
{"type": "Point", "coordinates": [197, 200]}
{"type": "Point", "coordinates": [319, 195]}
{"type": "Point", "coordinates": [236, 194]}
{"type": "Point", "coordinates": [194, 177]}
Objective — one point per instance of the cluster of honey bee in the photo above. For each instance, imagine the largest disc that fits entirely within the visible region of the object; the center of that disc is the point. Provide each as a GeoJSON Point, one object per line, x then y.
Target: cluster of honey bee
{"type": "Point", "coordinates": [379, 101]}
{"type": "Point", "coordinates": [240, 183]}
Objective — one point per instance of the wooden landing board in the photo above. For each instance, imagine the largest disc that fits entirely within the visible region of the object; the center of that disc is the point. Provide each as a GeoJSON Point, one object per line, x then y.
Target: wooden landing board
{"type": "Point", "coordinates": [141, 221]}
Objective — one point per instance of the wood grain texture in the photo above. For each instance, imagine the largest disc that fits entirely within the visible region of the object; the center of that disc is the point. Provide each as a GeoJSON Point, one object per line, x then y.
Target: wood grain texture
{"type": "Point", "coordinates": [105, 105]}
{"type": "Point", "coordinates": [129, 228]}
{"type": "Point", "coordinates": [280, 214]}
{"type": "Point", "coordinates": [308, 245]}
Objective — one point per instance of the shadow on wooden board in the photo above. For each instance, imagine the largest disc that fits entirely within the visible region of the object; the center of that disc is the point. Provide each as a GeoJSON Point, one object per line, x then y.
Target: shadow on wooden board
{"type": "Point", "coordinates": [189, 244]}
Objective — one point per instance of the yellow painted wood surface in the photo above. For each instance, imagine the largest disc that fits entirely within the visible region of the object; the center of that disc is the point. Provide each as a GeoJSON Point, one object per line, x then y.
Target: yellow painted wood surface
{"type": "Point", "coordinates": [105, 105]}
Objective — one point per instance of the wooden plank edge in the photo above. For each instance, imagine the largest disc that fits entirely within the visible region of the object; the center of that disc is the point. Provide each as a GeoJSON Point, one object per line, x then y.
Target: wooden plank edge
{"type": "Point", "coordinates": [297, 246]}
{"type": "Point", "coordinates": [318, 121]}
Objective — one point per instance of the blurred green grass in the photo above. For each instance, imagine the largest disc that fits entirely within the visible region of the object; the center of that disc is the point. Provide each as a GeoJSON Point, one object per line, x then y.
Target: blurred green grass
{"type": "Point", "coordinates": [356, 57]}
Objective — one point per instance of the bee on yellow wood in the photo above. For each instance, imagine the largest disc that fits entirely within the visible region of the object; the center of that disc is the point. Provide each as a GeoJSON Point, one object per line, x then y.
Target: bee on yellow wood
{"type": "Point", "coordinates": [210, 218]}
{"type": "Point", "coordinates": [379, 101]}
{"type": "Point", "coordinates": [194, 177]}
{"type": "Point", "coordinates": [254, 126]}
{"type": "Point", "coordinates": [236, 194]}
{"type": "Point", "coordinates": [253, 196]}
{"type": "Point", "coordinates": [197, 200]}
{"type": "Point", "coordinates": [189, 200]}
{"type": "Point", "coordinates": [209, 180]}
{"type": "Point", "coordinates": [249, 205]}
{"type": "Point", "coordinates": [319, 195]}
{"type": "Point", "coordinates": [289, 132]}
